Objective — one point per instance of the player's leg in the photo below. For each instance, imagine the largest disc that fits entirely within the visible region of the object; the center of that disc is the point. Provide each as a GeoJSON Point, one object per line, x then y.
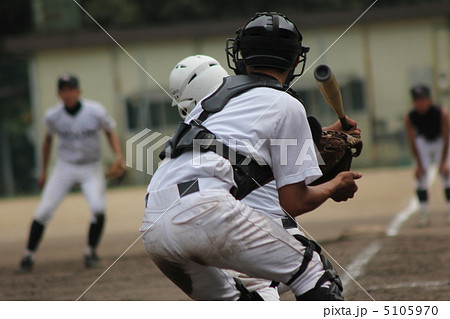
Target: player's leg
{"type": "Point", "coordinates": [221, 232]}
{"type": "Point", "coordinates": [447, 198]}
{"type": "Point", "coordinates": [269, 251]}
{"type": "Point", "coordinates": [267, 289]}
{"type": "Point", "coordinates": [56, 188]}
{"type": "Point", "coordinates": [446, 184]}
{"type": "Point", "coordinates": [93, 187]}
{"type": "Point", "coordinates": [426, 153]}
{"type": "Point", "coordinates": [331, 292]}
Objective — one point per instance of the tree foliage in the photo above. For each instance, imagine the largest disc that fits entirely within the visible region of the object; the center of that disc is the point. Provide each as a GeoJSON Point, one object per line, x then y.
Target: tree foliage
{"type": "Point", "coordinates": [119, 13]}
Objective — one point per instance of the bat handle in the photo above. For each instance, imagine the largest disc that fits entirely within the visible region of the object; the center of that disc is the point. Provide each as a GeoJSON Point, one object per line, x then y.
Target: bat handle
{"type": "Point", "coordinates": [345, 124]}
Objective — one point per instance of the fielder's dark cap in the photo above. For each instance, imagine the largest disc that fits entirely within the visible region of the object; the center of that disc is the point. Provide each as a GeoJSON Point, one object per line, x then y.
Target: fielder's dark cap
{"type": "Point", "coordinates": [420, 91]}
{"type": "Point", "coordinates": [68, 80]}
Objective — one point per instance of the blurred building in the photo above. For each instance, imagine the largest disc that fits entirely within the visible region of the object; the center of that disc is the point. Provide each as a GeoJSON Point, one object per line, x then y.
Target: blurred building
{"type": "Point", "coordinates": [375, 63]}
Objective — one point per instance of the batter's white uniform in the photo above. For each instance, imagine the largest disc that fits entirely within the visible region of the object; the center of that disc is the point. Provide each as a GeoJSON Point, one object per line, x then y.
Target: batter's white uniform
{"type": "Point", "coordinates": [190, 238]}
{"type": "Point", "coordinates": [78, 157]}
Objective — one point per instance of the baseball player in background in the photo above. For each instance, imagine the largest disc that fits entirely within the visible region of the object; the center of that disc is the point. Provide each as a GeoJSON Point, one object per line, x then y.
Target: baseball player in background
{"type": "Point", "coordinates": [195, 224]}
{"type": "Point", "coordinates": [192, 79]}
{"type": "Point", "coordinates": [77, 123]}
{"type": "Point", "coordinates": [427, 131]}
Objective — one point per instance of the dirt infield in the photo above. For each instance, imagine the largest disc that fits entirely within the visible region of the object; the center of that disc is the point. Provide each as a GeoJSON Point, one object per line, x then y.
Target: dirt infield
{"type": "Point", "coordinates": [410, 266]}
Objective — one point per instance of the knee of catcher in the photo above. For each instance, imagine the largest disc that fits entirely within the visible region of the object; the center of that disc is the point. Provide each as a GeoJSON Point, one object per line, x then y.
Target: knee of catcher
{"type": "Point", "coordinates": [245, 294]}
{"type": "Point", "coordinates": [331, 291]}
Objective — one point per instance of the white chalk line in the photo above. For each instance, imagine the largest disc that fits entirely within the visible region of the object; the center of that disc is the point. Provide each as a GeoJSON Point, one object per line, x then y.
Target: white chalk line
{"type": "Point", "coordinates": [356, 267]}
{"type": "Point", "coordinates": [424, 284]}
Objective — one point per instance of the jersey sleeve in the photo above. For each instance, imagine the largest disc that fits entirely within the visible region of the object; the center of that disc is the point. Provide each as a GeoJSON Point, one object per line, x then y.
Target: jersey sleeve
{"type": "Point", "coordinates": [292, 148]}
{"type": "Point", "coordinates": [106, 122]}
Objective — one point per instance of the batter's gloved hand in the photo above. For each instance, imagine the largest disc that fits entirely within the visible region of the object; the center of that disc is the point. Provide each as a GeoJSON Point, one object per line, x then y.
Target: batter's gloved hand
{"type": "Point", "coordinates": [116, 171]}
{"type": "Point", "coordinates": [337, 150]}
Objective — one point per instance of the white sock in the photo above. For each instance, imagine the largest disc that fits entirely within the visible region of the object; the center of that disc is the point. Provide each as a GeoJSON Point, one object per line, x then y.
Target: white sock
{"type": "Point", "coordinates": [29, 253]}
{"type": "Point", "coordinates": [423, 209]}
{"type": "Point", "coordinates": [89, 251]}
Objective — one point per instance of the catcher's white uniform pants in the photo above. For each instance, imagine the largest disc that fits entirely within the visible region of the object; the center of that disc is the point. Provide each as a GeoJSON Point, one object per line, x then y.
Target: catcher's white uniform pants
{"type": "Point", "coordinates": [263, 286]}
{"type": "Point", "coordinates": [191, 238]}
{"type": "Point", "coordinates": [429, 152]}
{"type": "Point", "coordinates": [63, 177]}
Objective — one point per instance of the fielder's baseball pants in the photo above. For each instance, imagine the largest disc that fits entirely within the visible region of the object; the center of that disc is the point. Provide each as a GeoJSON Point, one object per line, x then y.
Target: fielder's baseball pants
{"type": "Point", "coordinates": [63, 177]}
{"type": "Point", "coordinates": [429, 152]}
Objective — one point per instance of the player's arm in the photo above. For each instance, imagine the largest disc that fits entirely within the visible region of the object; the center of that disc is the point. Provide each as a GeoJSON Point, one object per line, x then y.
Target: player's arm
{"type": "Point", "coordinates": [411, 135]}
{"type": "Point", "coordinates": [114, 143]}
{"type": "Point", "coordinates": [46, 150]}
{"type": "Point", "coordinates": [444, 169]}
{"type": "Point", "coordinates": [299, 198]}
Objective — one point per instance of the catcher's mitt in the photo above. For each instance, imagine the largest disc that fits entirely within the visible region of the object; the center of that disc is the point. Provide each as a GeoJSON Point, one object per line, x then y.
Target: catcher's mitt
{"type": "Point", "coordinates": [116, 171]}
{"type": "Point", "coordinates": [337, 150]}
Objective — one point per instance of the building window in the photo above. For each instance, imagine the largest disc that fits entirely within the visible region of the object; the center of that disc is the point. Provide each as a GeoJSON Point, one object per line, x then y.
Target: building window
{"type": "Point", "coordinates": [152, 111]}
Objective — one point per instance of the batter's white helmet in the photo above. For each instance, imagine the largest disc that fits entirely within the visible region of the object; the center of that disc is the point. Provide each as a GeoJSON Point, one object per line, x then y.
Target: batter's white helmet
{"type": "Point", "coordinates": [192, 79]}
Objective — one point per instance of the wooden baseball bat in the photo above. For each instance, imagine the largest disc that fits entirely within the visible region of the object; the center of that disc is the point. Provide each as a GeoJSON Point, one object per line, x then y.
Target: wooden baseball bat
{"type": "Point", "coordinates": [329, 88]}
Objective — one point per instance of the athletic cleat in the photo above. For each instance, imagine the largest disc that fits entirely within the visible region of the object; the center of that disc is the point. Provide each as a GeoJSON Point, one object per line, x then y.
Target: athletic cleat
{"type": "Point", "coordinates": [26, 265]}
{"type": "Point", "coordinates": [91, 261]}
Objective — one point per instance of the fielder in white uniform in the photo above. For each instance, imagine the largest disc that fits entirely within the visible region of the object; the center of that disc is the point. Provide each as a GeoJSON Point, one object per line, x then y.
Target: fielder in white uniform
{"type": "Point", "coordinates": [192, 79]}
{"type": "Point", "coordinates": [77, 123]}
{"type": "Point", "coordinates": [193, 227]}
{"type": "Point", "coordinates": [427, 130]}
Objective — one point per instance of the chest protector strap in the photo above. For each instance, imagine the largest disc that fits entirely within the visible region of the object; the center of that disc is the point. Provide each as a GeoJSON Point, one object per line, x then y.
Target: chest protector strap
{"type": "Point", "coordinates": [248, 173]}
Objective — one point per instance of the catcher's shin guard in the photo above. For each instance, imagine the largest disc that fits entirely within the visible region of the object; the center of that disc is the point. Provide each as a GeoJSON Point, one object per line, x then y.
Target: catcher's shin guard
{"type": "Point", "coordinates": [245, 294]}
{"type": "Point", "coordinates": [334, 291]}
{"type": "Point", "coordinates": [331, 293]}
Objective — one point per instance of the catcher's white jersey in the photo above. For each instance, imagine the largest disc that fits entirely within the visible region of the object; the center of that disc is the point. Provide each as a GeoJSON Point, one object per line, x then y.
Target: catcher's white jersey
{"type": "Point", "coordinates": [79, 141]}
{"type": "Point", "coordinates": [265, 201]}
{"type": "Point", "coordinates": [259, 123]}
{"type": "Point", "coordinates": [211, 228]}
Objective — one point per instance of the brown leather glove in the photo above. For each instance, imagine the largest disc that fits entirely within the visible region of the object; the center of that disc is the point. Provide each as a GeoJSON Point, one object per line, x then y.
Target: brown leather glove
{"type": "Point", "coordinates": [337, 150]}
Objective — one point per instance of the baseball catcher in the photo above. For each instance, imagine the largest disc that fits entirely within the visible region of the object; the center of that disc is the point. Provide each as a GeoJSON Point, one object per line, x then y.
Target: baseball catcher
{"type": "Point", "coordinates": [196, 223]}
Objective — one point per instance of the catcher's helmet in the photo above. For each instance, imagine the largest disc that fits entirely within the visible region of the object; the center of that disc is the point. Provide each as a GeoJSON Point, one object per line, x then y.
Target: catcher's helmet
{"type": "Point", "coordinates": [269, 39]}
{"type": "Point", "coordinates": [192, 79]}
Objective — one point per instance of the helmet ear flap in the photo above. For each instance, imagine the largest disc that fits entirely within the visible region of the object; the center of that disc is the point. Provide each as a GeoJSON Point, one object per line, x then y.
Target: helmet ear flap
{"type": "Point", "coordinates": [240, 67]}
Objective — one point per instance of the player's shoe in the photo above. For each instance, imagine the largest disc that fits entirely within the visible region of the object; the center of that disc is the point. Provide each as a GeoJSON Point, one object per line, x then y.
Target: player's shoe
{"type": "Point", "coordinates": [26, 265]}
{"type": "Point", "coordinates": [91, 261]}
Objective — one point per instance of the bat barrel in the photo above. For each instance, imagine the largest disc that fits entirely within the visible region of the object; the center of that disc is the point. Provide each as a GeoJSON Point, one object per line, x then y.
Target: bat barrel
{"type": "Point", "coordinates": [322, 73]}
